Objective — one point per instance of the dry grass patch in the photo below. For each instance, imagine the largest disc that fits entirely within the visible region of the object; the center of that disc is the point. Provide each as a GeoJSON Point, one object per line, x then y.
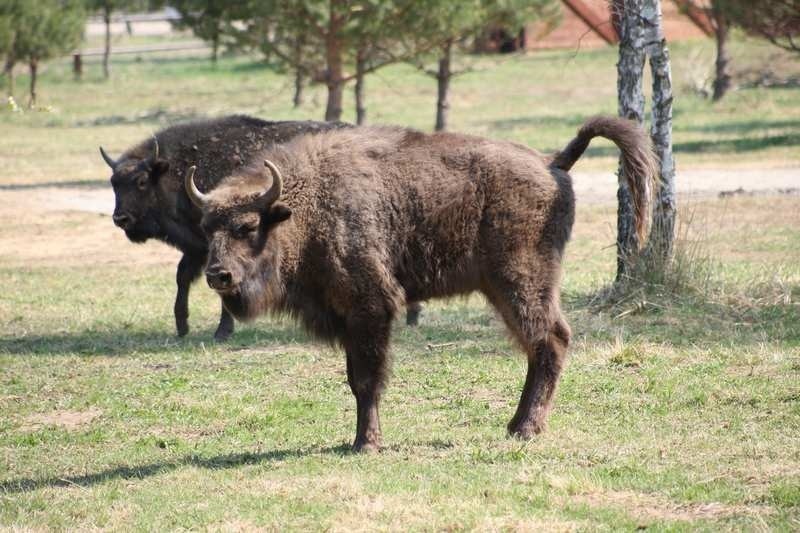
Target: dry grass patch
{"type": "Point", "coordinates": [43, 235]}
{"type": "Point", "coordinates": [69, 420]}
{"type": "Point", "coordinates": [647, 508]}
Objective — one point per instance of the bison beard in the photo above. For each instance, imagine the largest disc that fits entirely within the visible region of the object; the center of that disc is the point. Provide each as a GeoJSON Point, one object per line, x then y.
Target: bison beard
{"type": "Point", "coordinates": [365, 219]}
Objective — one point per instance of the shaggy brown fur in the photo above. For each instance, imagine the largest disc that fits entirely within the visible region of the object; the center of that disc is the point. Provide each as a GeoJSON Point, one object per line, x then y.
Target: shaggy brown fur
{"type": "Point", "coordinates": [370, 217]}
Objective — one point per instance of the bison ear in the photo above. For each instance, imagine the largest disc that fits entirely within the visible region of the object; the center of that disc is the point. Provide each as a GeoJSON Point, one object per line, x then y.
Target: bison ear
{"type": "Point", "coordinates": [158, 169]}
{"type": "Point", "coordinates": [275, 214]}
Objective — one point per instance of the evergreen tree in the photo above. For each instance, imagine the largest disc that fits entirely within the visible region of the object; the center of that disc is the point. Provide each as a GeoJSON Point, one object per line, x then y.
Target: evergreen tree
{"type": "Point", "coordinates": [42, 30]}
{"type": "Point", "coordinates": [106, 8]}
{"type": "Point", "coordinates": [455, 25]}
{"type": "Point", "coordinates": [208, 20]}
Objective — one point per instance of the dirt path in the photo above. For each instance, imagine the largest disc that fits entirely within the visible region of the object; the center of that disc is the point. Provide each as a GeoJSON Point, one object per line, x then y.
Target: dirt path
{"type": "Point", "coordinates": [590, 188]}
{"type": "Point", "coordinates": [594, 188]}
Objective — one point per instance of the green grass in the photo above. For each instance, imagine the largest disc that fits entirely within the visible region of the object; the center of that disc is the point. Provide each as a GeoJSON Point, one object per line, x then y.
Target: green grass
{"type": "Point", "coordinates": [676, 412]}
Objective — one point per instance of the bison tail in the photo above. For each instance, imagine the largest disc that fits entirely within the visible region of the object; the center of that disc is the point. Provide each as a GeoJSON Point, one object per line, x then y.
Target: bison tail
{"type": "Point", "coordinates": [638, 161]}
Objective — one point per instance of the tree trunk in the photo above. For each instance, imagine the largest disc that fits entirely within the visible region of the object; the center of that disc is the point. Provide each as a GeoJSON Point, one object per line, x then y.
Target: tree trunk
{"type": "Point", "coordinates": [299, 71]}
{"type": "Point", "coordinates": [8, 69]}
{"type": "Point", "coordinates": [107, 50]}
{"type": "Point", "coordinates": [662, 234]}
{"type": "Point", "coordinates": [443, 81]}
{"type": "Point", "coordinates": [361, 64]}
{"type": "Point", "coordinates": [214, 48]}
{"type": "Point", "coordinates": [299, 85]}
{"type": "Point", "coordinates": [630, 97]}
{"type": "Point", "coordinates": [722, 80]}
{"type": "Point", "coordinates": [333, 56]}
{"type": "Point", "coordinates": [333, 111]}
{"type": "Point", "coordinates": [77, 66]}
{"type": "Point", "coordinates": [34, 68]}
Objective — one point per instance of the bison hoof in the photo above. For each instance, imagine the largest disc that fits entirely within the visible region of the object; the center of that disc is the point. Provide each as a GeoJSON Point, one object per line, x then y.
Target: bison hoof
{"type": "Point", "coordinates": [412, 319]}
{"type": "Point", "coordinates": [222, 334]}
{"type": "Point", "coordinates": [364, 446]}
{"type": "Point", "coordinates": [525, 430]}
{"type": "Point", "coordinates": [183, 329]}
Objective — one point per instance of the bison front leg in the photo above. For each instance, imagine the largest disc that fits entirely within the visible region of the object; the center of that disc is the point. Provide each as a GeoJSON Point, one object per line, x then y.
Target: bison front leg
{"type": "Point", "coordinates": [189, 269]}
{"type": "Point", "coordinates": [225, 328]}
{"type": "Point", "coordinates": [367, 368]}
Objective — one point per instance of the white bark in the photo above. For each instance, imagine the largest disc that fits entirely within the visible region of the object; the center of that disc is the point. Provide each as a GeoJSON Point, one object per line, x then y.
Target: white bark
{"type": "Point", "coordinates": [663, 227]}
{"type": "Point", "coordinates": [641, 37]}
{"type": "Point", "coordinates": [630, 99]}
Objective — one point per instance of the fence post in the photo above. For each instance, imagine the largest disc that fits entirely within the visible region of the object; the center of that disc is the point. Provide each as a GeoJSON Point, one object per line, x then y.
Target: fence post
{"type": "Point", "coordinates": [77, 65]}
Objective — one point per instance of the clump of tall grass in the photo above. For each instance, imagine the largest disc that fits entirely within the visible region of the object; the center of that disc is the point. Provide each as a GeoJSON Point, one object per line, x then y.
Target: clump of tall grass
{"type": "Point", "coordinates": [691, 275]}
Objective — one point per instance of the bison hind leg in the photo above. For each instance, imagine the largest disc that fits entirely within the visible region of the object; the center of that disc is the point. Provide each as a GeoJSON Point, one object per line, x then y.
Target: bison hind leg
{"type": "Point", "coordinates": [532, 313]}
{"type": "Point", "coordinates": [545, 362]}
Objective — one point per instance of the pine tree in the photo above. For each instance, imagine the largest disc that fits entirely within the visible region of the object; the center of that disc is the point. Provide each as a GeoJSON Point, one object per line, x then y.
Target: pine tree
{"type": "Point", "coordinates": [455, 25]}
{"type": "Point", "coordinates": [208, 20]}
{"type": "Point", "coordinates": [42, 30]}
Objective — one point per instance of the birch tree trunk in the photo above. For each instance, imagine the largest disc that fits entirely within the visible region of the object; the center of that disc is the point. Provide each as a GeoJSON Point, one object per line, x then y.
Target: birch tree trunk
{"type": "Point", "coordinates": [630, 68]}
{"type": "Point", "coordinates": [662, 234]}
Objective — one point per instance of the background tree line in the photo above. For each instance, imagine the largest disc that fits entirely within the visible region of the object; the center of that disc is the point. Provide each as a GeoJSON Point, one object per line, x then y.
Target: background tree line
{"type": "Point", "coordinates": [340, 42]}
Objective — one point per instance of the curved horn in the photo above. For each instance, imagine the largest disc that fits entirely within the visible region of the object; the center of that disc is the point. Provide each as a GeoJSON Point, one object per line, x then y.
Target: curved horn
{"type": "Point", "coordinates": [155, 150]}
{"type": "Point", "coordinates": [274, 192]}
{"type": "Point", "coordinates": [198, 198]}
{"type": "Point", "coordinates": [107, 158]}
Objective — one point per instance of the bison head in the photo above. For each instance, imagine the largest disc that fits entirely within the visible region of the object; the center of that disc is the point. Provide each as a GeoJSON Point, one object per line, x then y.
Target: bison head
{"type": "Point", "coordinates": [134, 181]}
{"type": "Point", "coordinates": [244, 246]}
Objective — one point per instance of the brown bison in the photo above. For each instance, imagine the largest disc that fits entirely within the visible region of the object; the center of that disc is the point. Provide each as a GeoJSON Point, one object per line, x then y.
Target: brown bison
{"type": "Point", "coordinates": [340, 228]}
{"type": "Point", "coordinates": [150, 198]}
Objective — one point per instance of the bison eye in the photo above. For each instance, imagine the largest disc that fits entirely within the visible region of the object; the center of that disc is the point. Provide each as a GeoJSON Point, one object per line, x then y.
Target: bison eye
{"type": "Point", "coordinates": [141, 182]}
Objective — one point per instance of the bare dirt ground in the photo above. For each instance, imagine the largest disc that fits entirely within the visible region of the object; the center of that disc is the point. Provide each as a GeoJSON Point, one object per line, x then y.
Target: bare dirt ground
{"type": "Point", "coordinates": [590, 188]}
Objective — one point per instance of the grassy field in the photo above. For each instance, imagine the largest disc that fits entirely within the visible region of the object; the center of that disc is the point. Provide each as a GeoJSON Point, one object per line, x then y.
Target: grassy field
{"type": "Point", "coordinates": [679, 408]}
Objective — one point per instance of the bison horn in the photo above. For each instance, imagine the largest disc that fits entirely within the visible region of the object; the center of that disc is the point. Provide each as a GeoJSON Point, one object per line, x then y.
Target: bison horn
{"type": "Point", "coordinates": [274, 192]}
{"type": "Point", "coordinates": [107, 158]}
{"type": "Point", "coordinates": [155, 149]}
{"type": "Point", "coordinates": [198, 198]}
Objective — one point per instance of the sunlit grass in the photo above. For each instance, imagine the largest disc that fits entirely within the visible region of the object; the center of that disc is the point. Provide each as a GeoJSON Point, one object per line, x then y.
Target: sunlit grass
{"type": "Point", "coordinates": [679, 408]}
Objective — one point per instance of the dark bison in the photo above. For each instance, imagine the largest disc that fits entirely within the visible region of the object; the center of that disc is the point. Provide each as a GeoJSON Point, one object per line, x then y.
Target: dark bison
{"type": "Point", "coordinates": [356, 221]}
{"type": "Point", "coordinates": [150, 199]}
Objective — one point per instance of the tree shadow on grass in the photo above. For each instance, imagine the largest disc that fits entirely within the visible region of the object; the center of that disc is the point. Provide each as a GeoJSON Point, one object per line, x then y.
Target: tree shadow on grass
{"type": "Point", "coordinates": [121, 342]}
{"type": "Point", "coordinates": [217, 462]}
{"type": "Point", "coordinates": [742, 126]}
{"type": "Point", "coordinates": [725, 146]}
{"type": "Point", "coordinates": [75, 184]}
{"type": "Point", "coordinates": [544, 122]}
